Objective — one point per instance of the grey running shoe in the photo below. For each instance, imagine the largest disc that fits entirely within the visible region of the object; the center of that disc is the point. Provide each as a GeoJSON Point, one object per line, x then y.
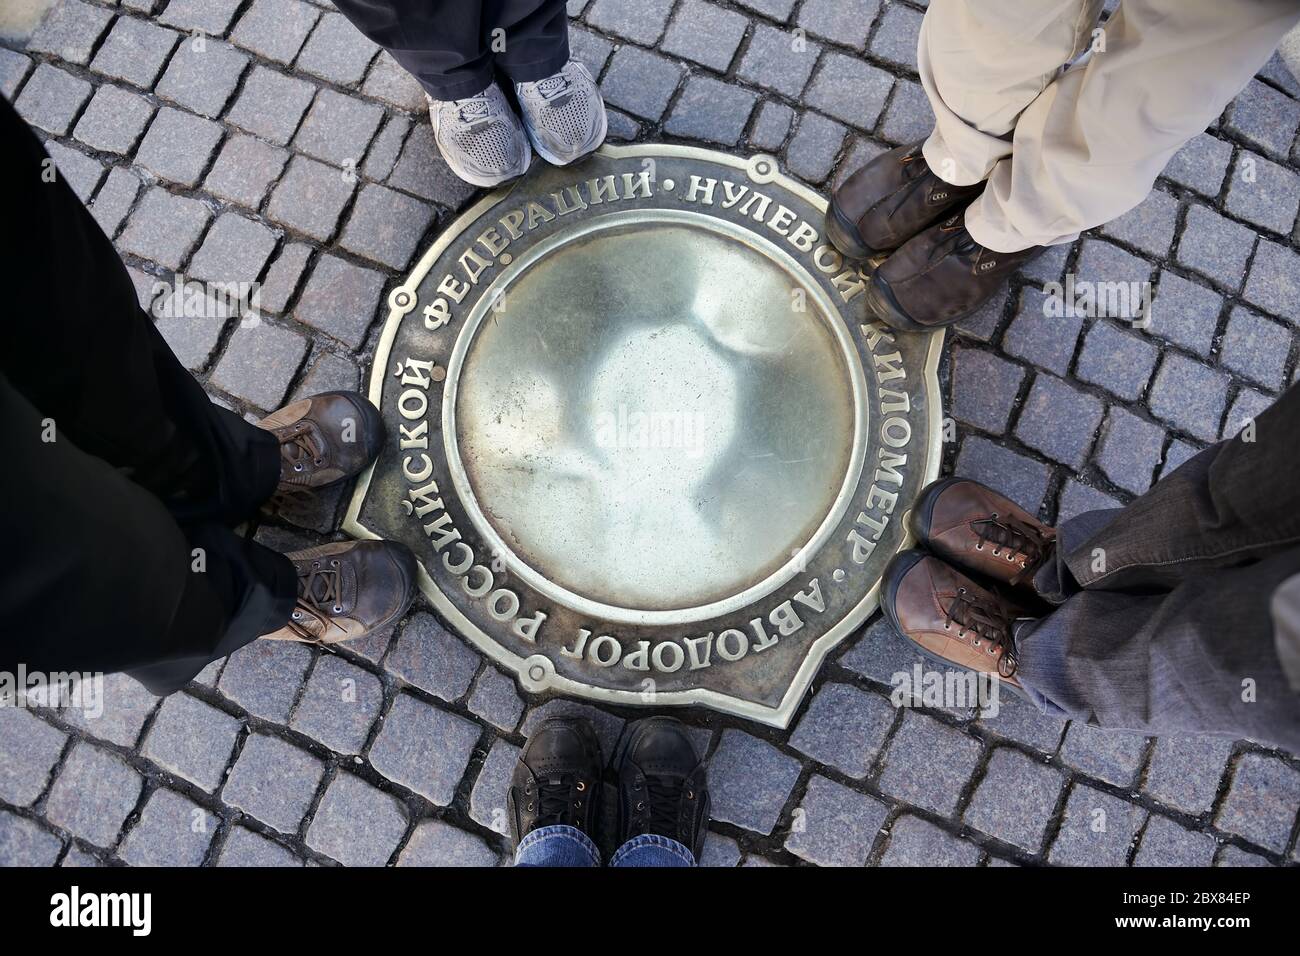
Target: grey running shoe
{"type": "Point", "coordinates": [480, 137]}
{"type": "Point", "coordinates": [563, 114]}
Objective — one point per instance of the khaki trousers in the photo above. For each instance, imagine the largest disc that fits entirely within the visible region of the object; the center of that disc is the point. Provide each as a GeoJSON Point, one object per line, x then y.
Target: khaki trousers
{"type": "Point", "coordinates": [1067, 150]}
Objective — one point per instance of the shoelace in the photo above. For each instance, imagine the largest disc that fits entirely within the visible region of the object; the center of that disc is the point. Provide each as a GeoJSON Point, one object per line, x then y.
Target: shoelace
{"type": "Point", "coordinates": [555, 799]}
{"type": "Point", "coordinates": [553, 87]}
{"type": "Point", "coordinates": [1014, 540]}
{"type": "Point", "coordinates": [319, 594]}
{"type": "Point", "coordinates": [988, 624]}
{"type": "Point", "coordinates": [474, 111]}
{"type": "Point", "coordinates": [297, 450]}
{"type": "Point", "coordinates": [664, 796]}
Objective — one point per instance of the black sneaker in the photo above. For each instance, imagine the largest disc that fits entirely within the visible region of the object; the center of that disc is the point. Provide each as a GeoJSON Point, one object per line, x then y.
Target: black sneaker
{"type": "Point", "coordinates": [661, 784]}
{"type": "Point", "coordinates": [557, 779]}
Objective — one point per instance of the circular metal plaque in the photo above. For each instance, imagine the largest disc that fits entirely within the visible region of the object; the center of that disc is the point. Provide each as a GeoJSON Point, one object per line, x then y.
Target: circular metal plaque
{"type": "Point", "coordinates": [644, 438]}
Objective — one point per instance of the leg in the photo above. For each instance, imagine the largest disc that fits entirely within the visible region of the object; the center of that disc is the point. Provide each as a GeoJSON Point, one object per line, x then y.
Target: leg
{"type": "Point", "coordinates": [652, 850]}
{"type": "Point", "coordinates": [536, 37]}
{"type": "Point", "coordinates": [557, 845]}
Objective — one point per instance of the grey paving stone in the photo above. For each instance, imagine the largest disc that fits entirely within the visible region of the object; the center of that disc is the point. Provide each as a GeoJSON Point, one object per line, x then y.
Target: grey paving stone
{"type": "Point", "coordinates": [1018, 720]}
{"type": "Point", "coordinates": [1264, 193]}
{"type": "Point", "coordinates": [846, 22]}
{"type": "Point", "coordinates": [283, 277]}
{"type": "Point", "coordinates": [849, 89]}
{"type": "Point", "coordinates": [1265, 118]}
{"type": "Point", "coordinates": [1047, 342]}
{"type": "Point", "coordinates": [114, 120]}
{"type": "Point", "coordinates": [908, 116]}
{"type": "Point", "coordinates": [608, 726]}
{"type": "Point", "coordinates": [1256, 348]}
{"type": "Point", "coordinates": [435, 843]}
{"type": "Point", "coordinates": [929, 763]}
{"type": "Point", "coordinates": [712, 111]}
{"type": "Point", "coordinates": [1185, 313]}
{"type": "Point", "coordinates": [387, 146]}
{"type": "Point", "coordinates": [24, 842]}
{"type": "Point", "coordinates": [622, 127]}
{"type": "Point", "coordinates": [1097, 830]}
{"type": "Point", "coordinates": [235, 249]}
{"type": "Point", "coordinates": [172, 831]}
{"type": "Point", "coordinates": [1130, 450]}
{"type": "Point", "coordinates": [1077, 498]}
{"type": "Point", "coordinates": [1186, 770]}
{"type": "Point", "coordinates": [338, 129]}
{"type": "Point", "coordinates": [243, 847]}
{"type": "Point", "coordinates": [641, 21]}
{"type": "Point", "coordinates": [424, 749]}
{"type": "Point", "coordinates": [1021, 479]}
{"type": "Point", "coordinates": [337, 51]}
{"type": "Point", "coordinates": [1274, 283]}
{"type": "Point", "coordinates": [51, 98]}
{"type": "Point", "coordinates": [487, 801]}
{"type": "Point", "coordinates": [835, 826]}
{"type": "Point", "coordinates": [29, 749]}
{"type": "Point", "coordinates": [880, 653]}
{"type": "Point", "coordinates": [917, 842]}
{"type": "Point", "coordinates": [1261, 801]}
{"type": "Point", "coordinates": [1105, 262]}
{"type": "Point", "coordinates": [391, 84]}
{"type": "Point", "coordinates": [749, 781]}
{"type": "Point", "coordinates": [1165, 843]}
{"type": "Point", "coordinates": [357, 824]}
{"type": "Point", "coordinates": [328, 373]}
{"type": "Point", "coordinates": [1189, 396]}
{"type": "Point", "coordinates": [340, 299]}
{"type": "Point", "coordinates": [896, 37]}
{"type": "Point", "coordinates": [1235, 856]}
{"type": "Point", "coordinates": [421, 170]}
{"type": "Point", "coordinates": [778, 60]}
{"type": "Point", "coordinates": [845, 728]}
{"type": "Point", "coordinates": [984, 389]}
{"type": "Point", "coordinates": [178, 146]}
{"type": "Point", "coordinates": [258, 364]}
{"type": "Point", "coordinates": [126, 707]}
{"type": "Point", "coordinates": [273, 781]}
{"type": "Point", "coordinates": [496, 700]}
{"type": "Point", "coordinates": [14, 67]}
{"type": "Point", "coordinates": [82, 173]}
{"type": "Point", "coordinates": [310, 198]}
{"type": "Point", "coordinates": [719, 851]}
{"type": "Point", "coordinates": [772, 125]}
{"type": "Point", "coordinates": [276, 29]}
{"type": "Point", "coordinates": [93, 794]}
{"type": "Point", "coordinates": [1059, 420]}
{"type": "Point", "coordinates": [263, 677]}
{"type": "Point", "coordinates": [75, 857]}
{"type": "Point", "coordinates": [192, 739]}
{"type": "Point", "coordinates": [1115, 756]}
{"type": "Point", "coordinates": [1215, 247]}
{"type": "Point", "coordinates": [1049, 265]}
{"type": "Point", "coordinates": [270, 105]}
{"type": "Point", "coordinates": [339, 705]}
{"type": "Point", "coordinates": [1015, 800]}
{"type": "Point", "coordinates": [70, 30]}
{"type": "Point", "coordinates": [775, 9]}
{"type": "Point", "coordinates": [1200, 164]}
{"type": "Point", "coordinates": [212, 17]}
{"type": "Point", "coordinates": [983, 323]}
{"type": "Point", "coordinates": [386, 226]}
{"type": "Point", "coordinates": [1149, 226]}
{"type": "Point", "coordinates": [589, 49]}
{"type": "Point", "coordinates": [640, 82]}
{"type": "Point", "coordinates": [1246, 407]}
{"type": "Point", "coordinates": [193, 339]}
{"type": "Point", "coordinates": [861, 152]}
{"type": "Point", "coordinates": [244, 170]}
{"type": "Point", "coordinates": [704, 33]}
{"type": "Point", "coordinates": [814, 147]}
{"type": "Point", "coordinates": [1177, 453]}
{"type": "Point", "coordinates": [134, 52]}
{"type": "Point", "coordinates": [203, 80]}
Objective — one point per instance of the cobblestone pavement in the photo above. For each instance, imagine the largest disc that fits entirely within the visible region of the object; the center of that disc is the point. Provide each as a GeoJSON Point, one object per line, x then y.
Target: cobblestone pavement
{"type": "Point", "coordinates": [229, 160]}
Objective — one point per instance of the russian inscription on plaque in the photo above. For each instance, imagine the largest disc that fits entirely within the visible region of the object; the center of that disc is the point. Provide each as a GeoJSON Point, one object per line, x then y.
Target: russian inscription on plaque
{"type": "Point", "coordinates": [645, 439]}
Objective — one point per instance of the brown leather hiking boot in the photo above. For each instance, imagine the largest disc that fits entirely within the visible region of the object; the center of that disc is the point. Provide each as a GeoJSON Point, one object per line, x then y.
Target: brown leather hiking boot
{"type": "Point", "coordinates": [890, 200]}
{"type": "Point", "coordinates": [949, 617]}
{"type": "Point", "coordinates": [939, 277]}
{"type": "Point", "coordinates": [972, 526]}
{"type": "Point", "coordinates": [324, 439]}
{"type": "Point", "coordinates": [347, 590]}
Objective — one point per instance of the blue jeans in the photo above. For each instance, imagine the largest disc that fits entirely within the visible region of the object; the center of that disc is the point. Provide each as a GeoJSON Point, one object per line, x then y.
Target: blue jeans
{"type": "Point", "coordinates": [569, 846]}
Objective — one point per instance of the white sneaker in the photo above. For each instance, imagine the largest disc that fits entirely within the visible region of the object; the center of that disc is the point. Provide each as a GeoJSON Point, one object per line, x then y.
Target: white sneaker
{"type": "Point", "coordinates": [563, 114]}
{"type": "Point", "coordinates": [480, 137]}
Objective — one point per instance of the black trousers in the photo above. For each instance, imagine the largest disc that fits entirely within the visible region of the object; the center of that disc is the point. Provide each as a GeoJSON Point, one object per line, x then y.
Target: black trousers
{"type": "Point", "coordinates": [455, 47]}
{"type": "Point", "coordinates": [120, 482]}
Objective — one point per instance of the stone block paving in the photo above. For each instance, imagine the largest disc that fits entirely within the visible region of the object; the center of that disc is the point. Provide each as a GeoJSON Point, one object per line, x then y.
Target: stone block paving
{"type": "Point", "coordinates": [269, 141]}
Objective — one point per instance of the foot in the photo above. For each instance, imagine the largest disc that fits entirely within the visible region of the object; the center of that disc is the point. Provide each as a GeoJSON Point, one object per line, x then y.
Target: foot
{"type": "Point", "coordinates": [557, 779]}
{"type": "Point", "coordinates": [972, 526]}
{"type": "Point", "coordinates": [347, 590]}
{"type": "Point", "coordinates": [563, 114]}
{"type": "Point", "coordinates": [480, 137]}
{"type": "Point", "coordinates": [890, 200]}
{"type": "Point", "coordinates": [324, 439]}
{"type": "Point", "coordinates": [939, 277]}
{"type": "Point", "coordinates": [661, 784]}
{"type": "Point", "coordinates": [949, 617]}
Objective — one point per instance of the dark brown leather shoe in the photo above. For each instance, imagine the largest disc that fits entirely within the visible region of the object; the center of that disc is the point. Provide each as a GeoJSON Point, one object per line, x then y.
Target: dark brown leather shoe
{"type": "Point", "coordinates": [347, 590]}
{"type": "Point", "coordinates": [890, 200]}
{"type": "Point", "coordinates": [949, 617]}
{"type": "Point", "coordinates": [324, 439]}
{"type": "Point", "coordinates": [557, 779]}
{"type": "Point", "coordinates": [972, 526]}
{"type": "Point", "coordinates": [939, 277]}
